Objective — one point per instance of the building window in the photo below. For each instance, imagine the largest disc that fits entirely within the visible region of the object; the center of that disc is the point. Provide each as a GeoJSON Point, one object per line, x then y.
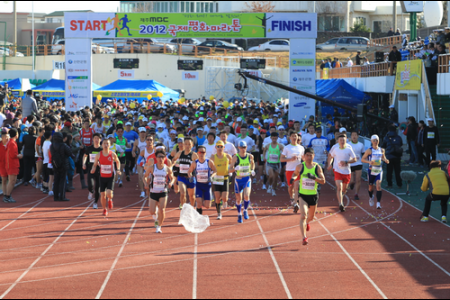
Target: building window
{"type": "Point", "coordinates": [331, 23]}
{"type": "Point", "coordinates": [192, 7]}
{"type": "Point", "coordinates": [360, 19]}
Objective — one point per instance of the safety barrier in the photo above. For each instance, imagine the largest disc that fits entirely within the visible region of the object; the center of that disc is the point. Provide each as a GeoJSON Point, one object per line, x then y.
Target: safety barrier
{"type": "Point", "coordinates": [372, 70]}
{"type": "Point", "coordinates": [387, 41]}
{"type": "Point", "coordinates": [444, 63]}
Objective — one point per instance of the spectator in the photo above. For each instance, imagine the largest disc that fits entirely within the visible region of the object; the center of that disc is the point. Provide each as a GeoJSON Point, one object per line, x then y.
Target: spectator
{"type": "Point", "coordinates": [447, 35]}
{"type": "Point", "coordinates": [398, 32]}
{"type": "Point", "coordinates": [437, 181]}
{"type": "Point", "coordinates": [336, 63]}
{"type": "Point", "coordinates": [366, 61]}
{"type": "Point", "coordinates": [60, 160]}
{"type": "Point", "coordinates": [440, 37]}
{"type": "Point", "coordinates": [29, 141]}
{"type": "Point", "coordinates": [420, 148]}
{"type": "Point", "coordinates": [404, 41]}
{"type": "Point", "coordinates": [322, 65]}
{"type": "Point", "coordinates": [328, 64]}
{"type": "Point", "coordinates": [349, 62]}
{"type": "Point", "coordinates": [390, 32]}
{"type": "Point", "coordinates": [393, 144]}
{"type": "Point", "coordinates": [395, 55]}
{"type": "Point", "coordinates": [431, 139]}
{"type": "Point", "coordinates": [411, 136]}
{"type": "Point", "coordinates": [358, 58]}
{"type": "Point", "coordinates": [29, 105]}
{"type": "Point", "coordinates": [393, 114]}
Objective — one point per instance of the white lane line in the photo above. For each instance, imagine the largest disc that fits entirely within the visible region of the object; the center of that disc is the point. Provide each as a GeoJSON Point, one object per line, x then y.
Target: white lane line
{"type": "Point", "coordinates": [102, 289]}
{"type": "Point", "coordinates": [194, 285]}
{"type": "Point", "coordinates": [21, 215]}
{"type": "Point", "coordinates": [42, 255]}
{"type": "Point", "coordinates": [283, 282]}
{"type": "Point", "coordinates": [355, 263]}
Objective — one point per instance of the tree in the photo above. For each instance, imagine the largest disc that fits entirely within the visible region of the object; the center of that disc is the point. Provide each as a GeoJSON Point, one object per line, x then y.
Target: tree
{"type": "Point", "coordinates": [330, 15]}
{"type": "Point", "coordinates": [259, 6]}
{"type": "Point", "coordinates": [359, 26]}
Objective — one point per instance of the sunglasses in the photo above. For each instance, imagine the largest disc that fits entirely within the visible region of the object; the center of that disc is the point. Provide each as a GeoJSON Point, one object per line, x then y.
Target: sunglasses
{"type": "Point", "coordinates": [219, 147]}
{"type": "Point", "coordinates": [202, 153]}
{"type": "Point", "coordinates": [149, 140]}
{"type": "Point", "coordinates": [161, 157]}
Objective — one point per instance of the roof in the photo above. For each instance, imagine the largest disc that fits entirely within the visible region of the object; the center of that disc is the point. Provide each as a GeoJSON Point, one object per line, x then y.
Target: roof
{"type": "Point", "coordinates": [61, 13]}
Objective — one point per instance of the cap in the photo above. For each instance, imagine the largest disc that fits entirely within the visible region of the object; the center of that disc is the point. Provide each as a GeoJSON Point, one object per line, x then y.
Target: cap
{"type": "Point", "coordinates": [144, 119]}
{"type": "Point", "coordinates": [173, 132]}
{"type": "Point", "coordinates": [342, 130]}
{"type": "Point", "coordinates": [263, 131]}
{"type": "Point", "coordinates": [209, 119]}
{"type": "Point", "coordinates": [111, 136]}
{"type": "Point", "coordinates": [160, 126]}
{"type": "Point", "coordinates": [430, 120]}
{"type": "Point", "coordinates": [374, 137]}
{"type": "Point", "coordinates": [280, 128]}
{"type": "Point", "coordinates": [392, 106]}
{"type": "Point", "coordinates": [201, 119]}
{"type": "Point", "coordinates": [128, 124]}
{"type": "Point", "coordinates": [242, 144]}
{"type": "Point", "coordinates": [152, 126]}
{"type": "Point", "coordinates": [142, 129]}
{"type": "Point", "coordinates": [266, 121]}
{"type": "Point", "coordinates": [239, 119]}
{"type": "Point", "coordinates": [279, 123]}
{"type": "Point", "coordinates": [181, 136]}
{"type": "Point", "coordinates": [220, 143]}
{"type": "Point", "coordinates": [185, 118]}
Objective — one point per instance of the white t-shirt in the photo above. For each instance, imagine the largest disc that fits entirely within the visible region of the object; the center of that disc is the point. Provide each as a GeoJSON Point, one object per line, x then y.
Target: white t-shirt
{"type": "Point", "coordinates": [229, 149]}
{"type": "Point", "coordinates": [268, 140]}
{"type": "Point", "coordinates": [249, 141]}
{"type": "Point", "coordinates": [290, 151]}
{"type": "Point", "coordinates": [231, 138]}
{"type": "Point", "coordinates": [306, 138]}
{"type": "Point", "coordinates": [45, 150]}
{"type": "Point", "coordinates": [342, 155]}
{"type": "Point", "coordinates": [97, 129]}
{"type": "Point", "coordinates": [209, 149]}
{"type": "Point", "coordinates": [358, 148]}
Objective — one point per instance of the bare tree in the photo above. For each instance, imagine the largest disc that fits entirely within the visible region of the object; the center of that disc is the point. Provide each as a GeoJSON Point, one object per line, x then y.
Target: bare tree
{"type": "Point", "coordinates": [259, 6]}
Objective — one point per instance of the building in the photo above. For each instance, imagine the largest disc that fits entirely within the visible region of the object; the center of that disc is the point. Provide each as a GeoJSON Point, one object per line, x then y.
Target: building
{"type": "Point", "coordinates": [332, 15]}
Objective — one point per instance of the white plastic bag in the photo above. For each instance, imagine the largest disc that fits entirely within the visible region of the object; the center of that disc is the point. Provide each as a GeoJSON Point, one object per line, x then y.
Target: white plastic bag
{"type": "Point", "coordinates": [192, 220]}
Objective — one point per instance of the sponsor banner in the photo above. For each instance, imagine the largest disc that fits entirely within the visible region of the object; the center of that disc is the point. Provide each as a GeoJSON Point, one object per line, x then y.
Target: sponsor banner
{"type": "Point", "coordinates": [56, 94]}
{"type": "Point", "coordinates": [302, 72]}
{"type": "Point", "coordinates": [409, 75]}
{"type": "Point", "coordinates": [126, 74]}
{"type": "Point", "coordinates": [121, 94]}
{"type": "Point", "coordinates": [189, 76]}
{"type": "Point", "coordinates": [59, 65]}
{"type": "Point", "coordinates": [194, 25]}
{"type": "Point", "coordinates": [78, 92]}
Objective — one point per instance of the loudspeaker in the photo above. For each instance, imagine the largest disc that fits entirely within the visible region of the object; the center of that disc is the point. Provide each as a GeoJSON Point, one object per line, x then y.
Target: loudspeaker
{"type": "Point", "coordinates": [361, 112]}
{"type": "Point", "coordinates": [379, 57]}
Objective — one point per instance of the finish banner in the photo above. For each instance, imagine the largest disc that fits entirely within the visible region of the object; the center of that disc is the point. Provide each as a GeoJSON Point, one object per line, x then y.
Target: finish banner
{"type": "Point", "coordinates": [192, 25]}
{"type": "Point", "coordinates": [409, 75]}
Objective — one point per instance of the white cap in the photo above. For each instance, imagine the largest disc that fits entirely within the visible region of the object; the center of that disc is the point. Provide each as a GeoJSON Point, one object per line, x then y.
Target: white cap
{"type": "Point", "coordinates": [173, 132]}
{"type": "Point", "coordinates": [201, 119]}
{"type": "Point", "coordinates": [200, 129]}
{"type": "Point", "coordinates": [280, 127]}
{"type": "Point", "coordinates": [430, 120]}
{"type": "Point", "coordinates": [142, 129]}
{"type": "Point", "coordinates": [392, 106]}
{"type": "Point", "coordinates": [219, 121]}
{"type": "Point", "coordinates": [144, 119]}
{"type": "Point", "coordinates": [185, 118]}
{"type": "Point", "coordinates": [342, 130]}
{"type": "Point", "coordinates": [239, 119]}
{"type": "Point", "coordinates": [160, 126]}
{"type": "Point", "coordinates": [266, 121]}
{"type": "Point", "coordinates": [374, 137]}
{"type": "Point", "coordinates": [128, 124]}
{"type": "Point", "coordinates": [201, 108]}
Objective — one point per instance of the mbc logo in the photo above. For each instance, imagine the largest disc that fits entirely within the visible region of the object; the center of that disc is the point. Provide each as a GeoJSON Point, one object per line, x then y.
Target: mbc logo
{"type": "Point", "coordinates": [74, 96]}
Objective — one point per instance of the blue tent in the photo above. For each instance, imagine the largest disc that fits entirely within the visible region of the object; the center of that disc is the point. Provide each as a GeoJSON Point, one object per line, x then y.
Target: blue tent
{"type": "Point", "coordinates": [134, 89]}
{"type": "Point", "coordinates": [56, 88]}
{"type": "Point", "coordinates": [340, 91]}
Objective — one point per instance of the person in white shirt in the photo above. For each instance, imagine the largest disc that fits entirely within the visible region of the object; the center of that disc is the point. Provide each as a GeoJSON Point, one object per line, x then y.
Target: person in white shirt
{"type": "Point", "coordinates": [48, 169]}
{"type": "Point", "coordinates": [250, 143]}
{"type": "Point", "coordinates": [342, 156]}
{"type": "Point", "coordinates": [356, 167]}
{"type": "Point", "coordinates": [268, 139]}
{"type": "Point", "coordinates": [349, 62]}
{"type": "Point", "coordinates": [292, 155]}
{"type": "Point", "coordinates": [98, 127]}
{"type": "Point", "coordinates": [308, 136]}
{"type": "Point", "coordinates": [283, 138]}
{"type": "Point", "coordinates": [208, 125]}
{"type": "Point", "coordinates": [229, 148]}
{"type": "Point", "coordinates": [162, 136]}
{"type": "Point", "coordinates": [231, 137]}
{"type": "Point", "coordinates": [210, 144]}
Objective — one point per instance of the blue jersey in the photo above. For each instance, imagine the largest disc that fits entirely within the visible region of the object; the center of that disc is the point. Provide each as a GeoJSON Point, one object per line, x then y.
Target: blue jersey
{"type": "Point", "coordinates": [321, 147]}
{"type": "Point", "coordinates": [376, 157]}
{"type": "Point", "coordinates": [131, 137]}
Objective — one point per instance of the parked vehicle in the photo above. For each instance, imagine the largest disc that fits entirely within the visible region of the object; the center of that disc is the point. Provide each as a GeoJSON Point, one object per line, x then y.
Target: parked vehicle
{"type": "Point", "coordinates": [141, 46]}
{"type": "Point", "coordinates": [218, 44]}
{"type": "Point", "coordinates": [345, 43]}
{"type": "Point", "coordinates": [7, 52]}
{"type": "Point", "coordinates": [188, 45]}
{"type": "Point", "coordinates": [274, 45]}
{"type": "Point", "coordinates": [96, 49]}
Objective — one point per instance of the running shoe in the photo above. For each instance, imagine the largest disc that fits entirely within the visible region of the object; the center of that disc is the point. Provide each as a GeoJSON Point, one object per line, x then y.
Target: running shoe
{"type": "Point", "coordinates": [264, 187]}
{"type": "Point", "coordinates": [128, 178]}
{"type": "Point", "coordinates": [296, 208]}
{"type": "Point", "coordinates": [444, 219]}
{"type": "Point", "coordinates": [356, 197]}
{"type": "Point", "coordinates": [158, 229]}
{"type": "Point", "coordinates": [342, 208]}
{"type": "Point", "coordinates": [308, 227]}
{"type": "Point", "coordinates": [424, 219]}
{"type": "Point", "coordinates": [110, 204]}
{"type": "Point", "coordinates": [254, 180]}
{"type": "Point", "coordinates": [283, 184]}
{"type": "Point", "coordinates": [38, 185]}
{"type": "Point", "coordinates": [219, 217]}
{"type": "Point", "coordinates": [90, 196]}
{"type": "Point", "coordinates": [378, 205]}
{"type": "Point", "coordinates": [120, 183]}
{"type": "Point", "coordinates": [95, 206]}
{"type": "Point", "coordinates": [240, 219]}
{"type": "Point", "coordinates": [50, 193]}
{"type": "Point", "coordinates": [269, 190]}
{"type": "Point", "coordinates": [305, 241]}
{"type": "Point", "coordinates": [45, 191]}
{"type": "Point", "coordinates": [273, 193]}
{"type": "Point", "coordinates": [33, 183]}
{"type": "Point", "coordinates": [143, 195]}
{"type": "Point", "coordinates": [156, 224]}
{"type": "Point", "coordinates": [180, 207]}
{"type": "Point", "coordinates": [352, 186]}
{"type": "Point", "coordinates": [5, 199]}
{"type": "Point", "coordinates": [246, 217]}
{"type": "Point", "coordinates": [371, 202]}
{"type": "Point", "coordinates": [105, 212]}
{"type": "Point", "coordinates": [11, 200]}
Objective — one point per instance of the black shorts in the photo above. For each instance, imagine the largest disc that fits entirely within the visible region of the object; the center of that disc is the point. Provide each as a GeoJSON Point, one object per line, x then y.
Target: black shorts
{"type": "Point", "coordinates": [157, 196]}
{"type": "Point", "coordinates": [122, 160]}
{"type": "Point", "coordinates": [222, 188]}
{"type": "Point", "coordinates": [356, 168]}
{"type": "Point", "coordinates": [106, 184]}
{"type": "Point", "coordinates": [311, 200]}
{"type": "Point", "coordinates": [256, 157]}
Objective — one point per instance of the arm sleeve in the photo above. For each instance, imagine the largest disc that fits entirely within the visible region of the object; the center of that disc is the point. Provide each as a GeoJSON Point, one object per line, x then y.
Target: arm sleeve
{"type": "Point", "coordinates": [424, 187]}
{"type": "Point", "coordinates": [34, 108]}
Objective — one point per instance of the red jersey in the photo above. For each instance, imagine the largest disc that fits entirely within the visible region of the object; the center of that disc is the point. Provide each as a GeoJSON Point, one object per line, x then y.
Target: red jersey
{"type": "Point", "coordinates": [11, 155]}
{"type": "Point", "coordinates": [87, 136]}
{"type": "Point", "coordinates": [106, 164]}
{"type": "Point", "coordinates": [153, 156]}
{"type": "Point", "coordinates": [3, 155]}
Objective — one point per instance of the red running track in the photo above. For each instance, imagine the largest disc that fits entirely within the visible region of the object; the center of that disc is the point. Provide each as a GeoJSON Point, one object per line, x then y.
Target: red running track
{"type": "Point", "coordinates": [68, 250]}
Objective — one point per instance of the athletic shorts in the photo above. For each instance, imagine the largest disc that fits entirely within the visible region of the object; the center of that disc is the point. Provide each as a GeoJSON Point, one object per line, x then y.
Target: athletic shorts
{"type": "Point", "coordinates": [374, 178]}
{"type": "Point", "coordinates": [311, 200]}
{"type": "Point", "coordinates": [203, 190]}
{"type": "Point", "coordinates": [106, 184]}
{"type": "Point", "coordinates": [342, 177]}
{"type": "Point", "coordinates": [157, 196]}
{"type": "Point", "coordinates": [357, 168]}
{"type": "Point", "coordinates": [222, 188]}
{"type": "Point", "coordinates": [256, 157]}
{"type": "Point", "coordinates": [13, 171]}
{"type": "Point", "coordinates": [122, 160]}
{"type": "Point", "coordinates": [3, 172]}
{"type": "Point", "coordinates": [185, 180]}
{"type": "Point", "coordinates": [241, 184]}
{"type": "Point", "coordinates": [275, 167]}
{"type": "Point", "coordinates": [289, 176]}
{"type": "Point", "coordinates": [283, 164]}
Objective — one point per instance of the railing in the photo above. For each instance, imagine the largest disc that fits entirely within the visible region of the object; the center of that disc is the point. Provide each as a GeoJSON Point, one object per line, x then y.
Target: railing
{"type": "Point", "coordinates": [444, 63]}
{"type": "Point", "coordinates": [372, 70]}
{"type": "Point", "coordinates": [387, 41]}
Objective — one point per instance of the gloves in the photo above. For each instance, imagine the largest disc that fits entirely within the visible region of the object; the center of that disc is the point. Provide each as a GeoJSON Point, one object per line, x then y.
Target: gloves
{"type": "Point", "coordinates": [291, 182]}
{"type": "Point", "coordinates": [253, 173]}
{"type": "Point", "coordinates": [209, 179]}
{"type": "Point", "coordinates": [311, 176]}
{"type": "Point", "coordinates": [191, 179]}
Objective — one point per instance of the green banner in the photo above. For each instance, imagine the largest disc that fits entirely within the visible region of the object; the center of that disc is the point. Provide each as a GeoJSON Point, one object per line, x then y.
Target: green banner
{"type": "Point", "coordinates": [192, 25]}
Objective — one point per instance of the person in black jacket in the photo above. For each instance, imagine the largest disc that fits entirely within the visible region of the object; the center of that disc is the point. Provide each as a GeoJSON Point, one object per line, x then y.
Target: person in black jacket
{"type": "Point", "coordinates": [420, 148]}
{"type": "Point", "coordinates": [29, 141]}
{"type": "Point", "coordinates": [390, 32]}
{"type": "Point", "coordinates": [60, 152]}
{"type": "Point", "coordinates": [431, 140]}
{"type": "Point", "coordinates": [411, 137]}
{"type": "Point", "coordinates": [358, 58]}
{"type": "Point", "coordinates": [395, 55]}
{"type": "Point", "coordinates": [393, 144]}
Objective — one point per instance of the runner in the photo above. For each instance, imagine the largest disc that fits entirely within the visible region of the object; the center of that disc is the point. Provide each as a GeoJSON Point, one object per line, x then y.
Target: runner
{"type": "Point", "coordinates": [176, 165]}
{"type": "Point", "coordinates": [123, 143]}
{"type": "Point", "coordinates": [356, 167]}
{"type": "Point", "coordinates": [311, 175]}
{"type": "Point", "coordinates": [162, 180]}
{"type": "Point", "coordinates": [130, 156]}
{"type": "Point", "coordinates": [342, 156]}
{"type": "Point", "coordinates": [98, 127]}
{"type": "Point", "coordinates": [292, 154]}
{"type": "Point", "coordinates": [88, 161]}
{"type": "Point", "coordinates": [221, 180]}
{"type": "Point", "coordinates": [87, 133]}
{"type": "Point", "coordinates": [374, 156]}
{"type": "Point", "coordinates": [244, 166]}
{"type": "Point", "coordinates": [105, 160]}
{"type": "Point", "coordinates": [205, 169]}
{"type": "Point", "coordinates": [141, 146]}
{"type": "Point", "coordinates": [186, 158]}
{"type": "Point", "coordinates": [273, 167]}
{"type": "Point", "coordinates": [3, 173]}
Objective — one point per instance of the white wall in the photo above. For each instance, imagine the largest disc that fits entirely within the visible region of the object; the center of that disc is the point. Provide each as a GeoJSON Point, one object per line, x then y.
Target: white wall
{"type": "Point", "coordinates": [443, 87]}
{"type": "Point", "coordinates": [384, 84]}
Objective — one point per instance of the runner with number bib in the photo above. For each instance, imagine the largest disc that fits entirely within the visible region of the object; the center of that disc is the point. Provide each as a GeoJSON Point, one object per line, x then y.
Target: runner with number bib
{"type": "Point", "coordinates": [186, 158]}
{"type": "Point", "coordinates": [221, 179]}
{"type": "Point", "coordinates": [88, 162]}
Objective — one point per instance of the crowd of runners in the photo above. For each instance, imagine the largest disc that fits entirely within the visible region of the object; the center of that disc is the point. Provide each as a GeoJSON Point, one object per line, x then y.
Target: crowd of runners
{"type": "Point", "coordinates": [198, 149]}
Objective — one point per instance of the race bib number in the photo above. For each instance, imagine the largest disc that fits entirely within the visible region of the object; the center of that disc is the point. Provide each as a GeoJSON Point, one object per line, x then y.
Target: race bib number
{"type": "Point", "coordinates": [106, 169]}
{"type": "Point", "coordinates": [308, 184]}
{"type": "Point", "coordinates": [184, 168]}
{"type": "Point", "coordinates": [159, 184]}
{"type": "Point", "coordinates": [244, 171]}
{"type": "Point", "coordinates": [92, 158]}
{"type": "Point", "coordinates": [430, 135]}
{"type": "Point", "coordinates": [202, 176]}
{"type": "Point", "coordinates": [219, 180]}
{"type": "Point", "coordinates": [86, 141]}
{"type": "Point", "coordinates": [375, 170]}
{"type": "Point", "coordinates": [273, 157]}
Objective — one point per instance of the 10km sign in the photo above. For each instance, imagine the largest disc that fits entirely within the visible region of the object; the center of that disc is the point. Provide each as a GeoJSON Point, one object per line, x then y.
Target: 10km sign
{"type": "Point", "coordinates": [189, 76]}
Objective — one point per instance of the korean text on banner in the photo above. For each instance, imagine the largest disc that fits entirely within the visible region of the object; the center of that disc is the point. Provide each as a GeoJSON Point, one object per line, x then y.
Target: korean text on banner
{"type": "Point", "coordinates": [302, 76]}
{"type": "Point", "coordinates": [78, 74]}
{"type": "Point", "coordinates": [409, 75]}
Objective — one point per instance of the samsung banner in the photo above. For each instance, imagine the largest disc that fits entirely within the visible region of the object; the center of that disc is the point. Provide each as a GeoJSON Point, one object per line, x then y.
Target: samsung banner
{"type": "Point", "coordinates": [78, 74]}
{"type": "Point", "coordinates": [302, 71]}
